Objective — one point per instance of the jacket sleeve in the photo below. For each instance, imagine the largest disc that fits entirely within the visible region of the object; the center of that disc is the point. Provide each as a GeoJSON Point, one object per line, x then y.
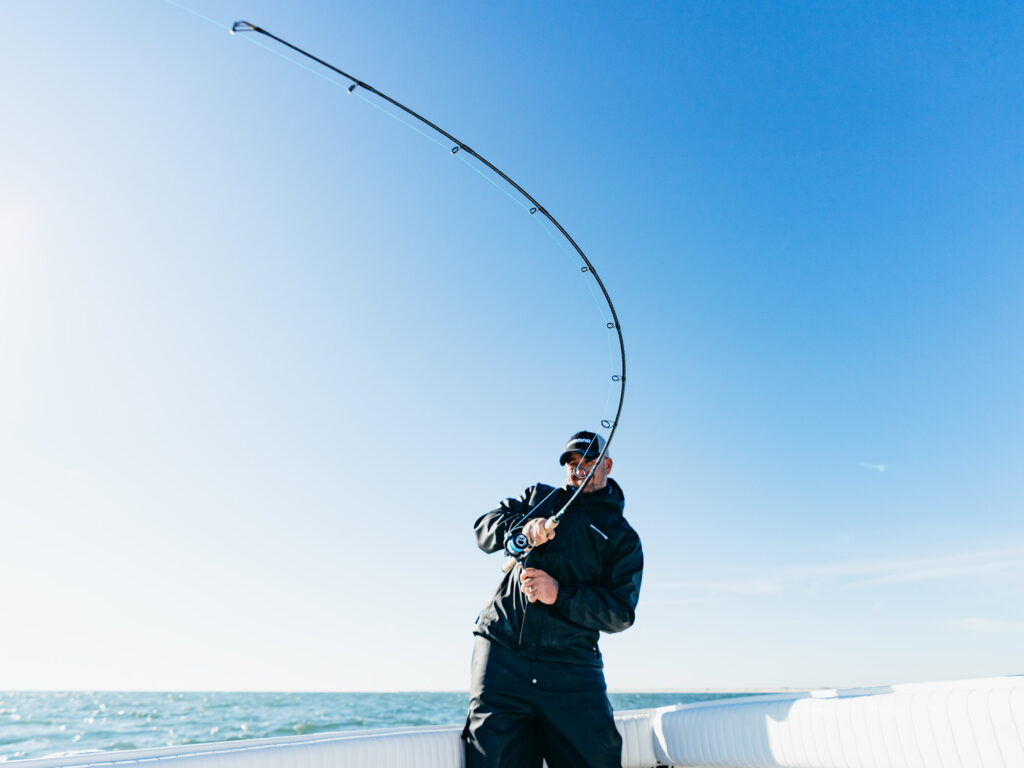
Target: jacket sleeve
{"type": "Point", "coordinates": [492, 527]}
{"type": "Point", "coordinates": [610, 606]}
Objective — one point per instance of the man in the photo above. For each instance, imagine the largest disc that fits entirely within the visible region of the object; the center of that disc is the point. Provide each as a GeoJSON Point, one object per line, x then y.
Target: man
{"type": "Point", "coordinates": [538, 689]}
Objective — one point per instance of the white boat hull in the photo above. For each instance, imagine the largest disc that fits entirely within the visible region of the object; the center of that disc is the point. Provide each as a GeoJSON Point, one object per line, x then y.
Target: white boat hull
{"type": "Point", "coordinates": [960, 724]}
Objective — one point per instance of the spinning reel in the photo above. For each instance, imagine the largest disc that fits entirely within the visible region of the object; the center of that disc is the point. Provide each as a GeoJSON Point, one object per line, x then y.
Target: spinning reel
{"type": "Point", "coordinates": [517, 544]}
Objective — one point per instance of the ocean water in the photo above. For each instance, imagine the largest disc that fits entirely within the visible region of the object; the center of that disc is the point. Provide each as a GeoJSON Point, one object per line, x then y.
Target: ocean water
{"type": "Point", "coordinates": [38, 724]}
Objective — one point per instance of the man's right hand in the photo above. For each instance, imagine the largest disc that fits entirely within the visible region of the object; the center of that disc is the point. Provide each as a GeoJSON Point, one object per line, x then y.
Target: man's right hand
{"type": "Point", "coordinates": [537, 533]}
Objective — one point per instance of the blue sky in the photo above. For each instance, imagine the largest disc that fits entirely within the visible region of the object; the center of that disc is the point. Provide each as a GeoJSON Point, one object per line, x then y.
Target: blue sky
{"type": "Point", "coordinates": [265, 353]}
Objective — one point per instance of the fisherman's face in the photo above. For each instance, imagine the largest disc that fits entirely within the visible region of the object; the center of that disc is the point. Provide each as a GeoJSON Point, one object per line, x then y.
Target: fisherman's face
{"type": "Point", "coordinates": [597, 482]}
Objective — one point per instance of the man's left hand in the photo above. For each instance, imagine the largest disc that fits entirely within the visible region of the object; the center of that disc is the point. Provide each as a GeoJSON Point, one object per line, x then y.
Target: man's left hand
{"type": "Point", "coordinates": [538, 585]}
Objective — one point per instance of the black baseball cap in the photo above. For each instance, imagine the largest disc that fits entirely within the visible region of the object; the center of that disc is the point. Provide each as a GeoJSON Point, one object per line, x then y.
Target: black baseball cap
{"type": "Point", "coordinates": [587, 444]}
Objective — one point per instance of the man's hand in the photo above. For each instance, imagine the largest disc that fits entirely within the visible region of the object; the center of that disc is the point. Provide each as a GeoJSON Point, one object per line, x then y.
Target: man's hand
{"type": "Point", "coordinates": [537, 533]}
{"type": "Point", "coordinates": [538, 585]}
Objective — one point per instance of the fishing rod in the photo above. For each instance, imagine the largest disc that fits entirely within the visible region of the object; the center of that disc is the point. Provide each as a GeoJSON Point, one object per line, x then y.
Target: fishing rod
{"type": "Point", "coordinates": [517, 545]}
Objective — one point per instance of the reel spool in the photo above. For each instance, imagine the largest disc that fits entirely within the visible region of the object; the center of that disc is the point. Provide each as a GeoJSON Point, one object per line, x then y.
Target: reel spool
{"type": "Point", "coordinates": [517, 544]}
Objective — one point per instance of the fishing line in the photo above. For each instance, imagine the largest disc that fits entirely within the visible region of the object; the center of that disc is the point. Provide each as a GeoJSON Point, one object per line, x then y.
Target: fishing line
{"type": "Point", "coordinates": [194, 13]}
{"type": "Point", "coordinates": [559, 243]}
{"type": "Point", "coordinates": [390, 114]}
{"type": "Point", "coordinates": [459, 149]}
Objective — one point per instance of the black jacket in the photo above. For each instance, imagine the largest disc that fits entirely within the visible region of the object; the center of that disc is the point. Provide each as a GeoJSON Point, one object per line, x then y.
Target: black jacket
{"type": "Point", "coordinates": [596, 559]}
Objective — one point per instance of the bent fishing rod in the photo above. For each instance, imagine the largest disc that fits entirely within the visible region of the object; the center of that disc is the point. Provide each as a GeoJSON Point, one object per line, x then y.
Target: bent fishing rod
{"type": "Point", "coordinates": [517, 545]}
